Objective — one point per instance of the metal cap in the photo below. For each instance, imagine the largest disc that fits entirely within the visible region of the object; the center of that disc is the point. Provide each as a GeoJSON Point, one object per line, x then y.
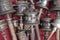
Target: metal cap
{"type": "Point", "coordinates": [43, 3]}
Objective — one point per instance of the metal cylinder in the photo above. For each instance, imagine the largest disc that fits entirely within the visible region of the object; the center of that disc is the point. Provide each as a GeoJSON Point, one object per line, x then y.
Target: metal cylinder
{"type": "Point", "coordinates": [22, 6]}
{"type": "Point", "coordinates": [46, 25]}
{"type": "Point", "coordinates": [6, 7]}
{"type": "Point", "coordinates": [31, 18]}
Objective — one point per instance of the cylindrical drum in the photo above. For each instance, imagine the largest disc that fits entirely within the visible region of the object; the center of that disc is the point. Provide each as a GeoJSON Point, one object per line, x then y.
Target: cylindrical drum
{"type": "Point", "coordinates": [46, 24]}
{"type": "Point", "coordinates": [22, 6]}
{"type": "Point", "coordinates": [5, 6]}
{"type": "Point", "coordinates": [31, 18]}
{"type": "Point", "coordinates": [4, 31]}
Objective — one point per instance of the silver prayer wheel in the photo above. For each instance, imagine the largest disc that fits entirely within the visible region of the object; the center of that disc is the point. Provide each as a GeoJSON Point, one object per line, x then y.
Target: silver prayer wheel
{"type": "Point", "coordinates": [43, 3]}
{"type": "Point", "coordinates": [46, 25]}
{"type": "Point", "coordinates": [22, 7]}
{"type": "Point", "coordinates": [31, 18]}
{"type": "Point", "coordinates": [6, 7]}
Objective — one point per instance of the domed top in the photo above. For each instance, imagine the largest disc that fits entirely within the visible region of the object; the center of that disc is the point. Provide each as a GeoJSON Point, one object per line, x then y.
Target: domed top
{"type": "Point", "coordinates": [43, 3]}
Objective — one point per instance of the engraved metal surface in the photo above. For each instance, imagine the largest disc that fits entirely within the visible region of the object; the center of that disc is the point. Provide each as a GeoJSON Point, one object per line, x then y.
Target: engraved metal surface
{"type": "Point", "coordinates": [22, 7]}
{"type": "Point", "coordinates": [5, 6]}
{"type": "Point", "coordinates": [31, 18]}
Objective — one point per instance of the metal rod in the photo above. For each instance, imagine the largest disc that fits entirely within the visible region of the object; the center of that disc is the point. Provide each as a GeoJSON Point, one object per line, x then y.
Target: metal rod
{"type": "Point", "coordinates": [32, 1]}
{"type": "Point", "coordinates": [22, 34]}
{"type": "Point", "coordinates": [21, 22]}
{"type": "Point", "coordinates": [32, 33]}
{"type": "Point", "coordinates": [37, 32]}
{"type": "Point", "coordinates": [53, 31]}
{"type": "Point", "coordinates": [40, 12]}
{"type": "Point", "coordinates": [11, 27]}
{"type": "Point", "coordinates": [32, 4]}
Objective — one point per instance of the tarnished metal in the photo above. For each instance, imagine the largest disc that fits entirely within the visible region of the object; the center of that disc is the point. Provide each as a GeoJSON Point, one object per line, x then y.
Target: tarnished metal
{"type": "Point", "coordinates": [31, 18]}
{"type": "Point", "coordinates": [46, 24]}
{"type": "Point", "coordinates": [6, 7]}
{"type": "Point", "coordinates": [22, 7]}
{"type": "Point", "coordinates": [43, 3]}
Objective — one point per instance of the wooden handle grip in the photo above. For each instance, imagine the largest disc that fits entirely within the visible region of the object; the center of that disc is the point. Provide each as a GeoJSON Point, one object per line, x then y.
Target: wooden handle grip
{"type": "Point", "coordinates": [37, 32]}
{"type": "Point", "coordinates": [12, 30]}
{"type": "Point", "coordinates": [57, 34]}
